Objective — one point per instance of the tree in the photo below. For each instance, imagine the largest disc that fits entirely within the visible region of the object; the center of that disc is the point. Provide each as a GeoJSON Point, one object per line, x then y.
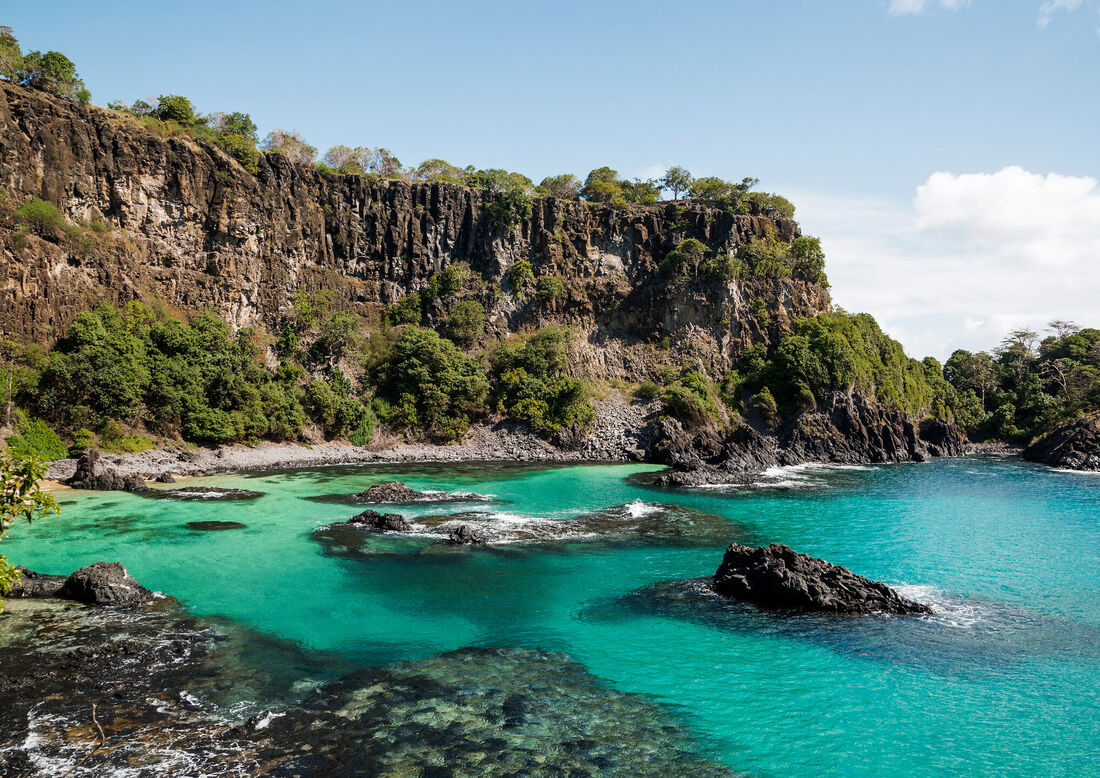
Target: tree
{"type": "Point", "coordinates": [439, 170]}
{"type": "Point", "coordinates": [348, 161]}
{"type": "Point", "coordinates": [603, 186]}
{"type": "Point", "coordinates": [291, 145]}
{"type": "Point", "coordinates": [710, 188]}
{"type": "Point", "coordinates": [678, 179]}
{"type": "Point", "coordinates": [382, 163]}
{"type": "Point", "coordinates": [1062, 329]}
{"type": "Point", "coordinates": [639, 191]}
{"type": "Point", "coordinates": [20, 498]}
{"type": "Point", "coordinates": [563, 187]}
{"type": "Point", "coordinates": [235, 123]}
{"type": "Point", "coordinates": [11, 56]}
{"type": "Point", "coordinates": [176, 108]}
{"type": "Point", "coordinates": [52, 72]}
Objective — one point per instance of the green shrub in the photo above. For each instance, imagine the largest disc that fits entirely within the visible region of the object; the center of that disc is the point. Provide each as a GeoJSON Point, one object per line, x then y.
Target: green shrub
{"type": "Point", "coordinates": [407, 310]}
{"type": "Point", "coordinates": [242, 149]}
{"type": "Point", "coordinates": [114, 439]}
{"type": "Point", "coordinates": [510, 208]}
{"type": "Point", "coordinates": [691, 399]}
{"type": "Point", "coordinates": [549, 288]}
{"type": "Point", "coordinates": [519, 274]}
{"type": "Point", "coordinates": [764, 402]}
{"type": "Point", "coordinates": [42, 217]}
{"type": "Point", "coordinates": [465, 323]}
{"type": "Point", "coordinates": [36, 440]}
{"type": "Point", "coordinates": [648, 390]}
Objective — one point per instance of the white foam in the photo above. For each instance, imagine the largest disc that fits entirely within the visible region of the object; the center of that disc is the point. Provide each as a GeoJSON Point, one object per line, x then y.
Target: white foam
{"type": "Point", "coordinates": [946, 610]}
{"type": "Point", "coordinates": [1075, 472]}
{"type": "Point", "coordinates": [267, 718]}
{"type": "Point", "coordinates": [637, 509]}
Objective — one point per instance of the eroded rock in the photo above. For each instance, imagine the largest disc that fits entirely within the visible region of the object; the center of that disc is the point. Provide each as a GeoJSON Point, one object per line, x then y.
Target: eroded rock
{"type": "Point", "coordinates": [779, 577]}
{"type": "Point", "coordinates": [1072, 445]}
{"type": "Point", "coordinates": [103, 583]}
{"type": "Point", "coordinates": [383, 522]}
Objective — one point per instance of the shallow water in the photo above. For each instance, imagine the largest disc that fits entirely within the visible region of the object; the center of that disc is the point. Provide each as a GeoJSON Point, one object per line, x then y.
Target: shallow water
{"type": "Point", "coordinates": [1004, 681]}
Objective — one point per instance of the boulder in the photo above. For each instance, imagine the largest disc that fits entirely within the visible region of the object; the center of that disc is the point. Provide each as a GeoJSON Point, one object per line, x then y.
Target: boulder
{"type": "Point", "coordinates": [103, 583]}
{"type": "Point", "coordinates": [165, 478]}
{"type": "Point", "coordinates": [92, 473]}
{"type": "Point", "coordinates": [779, 577]}
{"type": "Point", "coordinates": [390, 491]}
{"type": "Point", "coordinates": [383, 522]}
{"type": "Point", "coordinates": [1072, 445]}
{"type": "Point", "coordinates": [32, 584]}
{"type": "Point", "coordinates": [465, 535]}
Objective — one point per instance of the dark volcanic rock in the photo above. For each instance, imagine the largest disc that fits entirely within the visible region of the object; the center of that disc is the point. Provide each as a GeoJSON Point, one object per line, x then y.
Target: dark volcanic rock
{"type": "Point", "coordinates": [384, 522]}
{"type": "Point", "coordinates": [779, 577]}
{"type": "Point", "coordinates": [1073, 445]}
{"type": "Point", "coordinates": [91, 473]}
{"type": "Point", "coordinates": [31, 584]}
{"type": "Point", "coordinates": [165, 478]}
{"type": "Point", "coordinates": [465, 535]}
{"type": "Point", "coordinates": [390, 491]}
{"type": "Point", "coordinates": [212, 493]}
{"type": "Point", "coordinates": [215, 526]}
{"type": "Point", "coordinates": [843, 429]}
{"type": "Point", "coordinates": [103, 583]}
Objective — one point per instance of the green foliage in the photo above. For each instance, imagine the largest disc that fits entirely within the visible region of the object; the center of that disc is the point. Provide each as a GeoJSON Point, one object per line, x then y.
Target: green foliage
{"type": "Point", "coordinates": [11, 56]}
{"type": "Point", "coordinates": [510, 207]}
{"type": "Point", "coordinates": [519, 274]}
{"type": "Point", "coordinates": [766, 204]}
{"type": "Point", "coordinates": [764, 402]}
{"type": "Point", "coordinates": [336, 409]}
{"type": "Point", "coordinates": [843, 352]}
{"type": "Point", "coordinates": [465, 323]}
{"type": "Point", "coordinates": [648, 390]}
{"type": "Point", "coordinates": [42, 217]}
{"type": "Point", "coordinates": [433, 387]}
{"type": "Point", "coordinates": [531, 384]}
{"type": "Point", "coordinates": [51, 72]}
{"type": "Point", "coordinates": [176, 108]}
{"type": "Point", "coordinates": [549, 288]}
{"type": "Point", "coordinates": [290, 144]}
{"type": "Point", "coordinates": [691, 398]}
{"type": "Point", "coordinates": [439, 170]}
{"type": "Point", "coordinates": [563, 187]}
{"type": "Point", "coordinates": [130, 367]}
{"type": "Point", "coordinates": [1026, 387]}
{"type": "Point", "coordinates": [603, 186]}
{"type": "Point", "coordinates": [770, 257]}
{"type": "Point", "coordinates": [499, 181]}
{"type": "Point", "coordinates": [678, 179]}
{"type": "Point", "coordinates": [407, 310]}
{"type": "Point", "coordinates": [114, 439]}
{"type": "Point", "coordinates": [35, 440]}
{"type": "Point", "coordinates": [20, 498]}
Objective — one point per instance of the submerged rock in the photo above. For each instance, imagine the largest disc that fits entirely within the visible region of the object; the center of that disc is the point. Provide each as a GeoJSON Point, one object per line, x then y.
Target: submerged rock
{"type": "Point", "coordinates": [92, 473]}
{"type": "Point", "coordinates": [779, 577]}
{"type": "Point", "coordinates": [1073, 445]}
{"type": "Point", "coordinates": [390, 491]}
{"type": "Point", "coordinates": [212, 493]}
{"type": "Point", "coordinates": [383, 522]}
{"type": "Point", "coordinates": [465, 535]}
{"type": "Point", "coordinates": [214, 526]}
{"type": "Point", "coordinates": [103, 583]}
{"type": "Point", "coordinates": [169, 691]}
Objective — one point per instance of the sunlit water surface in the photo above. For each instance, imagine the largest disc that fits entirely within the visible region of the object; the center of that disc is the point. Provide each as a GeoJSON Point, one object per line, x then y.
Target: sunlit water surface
{"type": "Point", "coordinates": [1004, 681]}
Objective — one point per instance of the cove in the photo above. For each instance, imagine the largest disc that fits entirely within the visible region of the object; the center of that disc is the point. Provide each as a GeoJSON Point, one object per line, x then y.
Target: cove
{"type": "Point", "coordinates": [1002, 681]}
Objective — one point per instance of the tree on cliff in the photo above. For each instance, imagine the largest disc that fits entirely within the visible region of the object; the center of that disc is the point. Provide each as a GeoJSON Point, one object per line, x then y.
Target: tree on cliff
{"type": "Point", "coordinates": [176, 108]}
{"type": "Point", "coordinates": [11, 56]}
{"type": "Point", "coordinates": [51, 72]}
{"type": "Point", "coordinates": [563, 187]}
{"type": "Point", "coordinates": [678, 179]}
{"type": "Point", "coordinates": [20, 498]}
{"type": "Point", "coordinates": [290, 144]}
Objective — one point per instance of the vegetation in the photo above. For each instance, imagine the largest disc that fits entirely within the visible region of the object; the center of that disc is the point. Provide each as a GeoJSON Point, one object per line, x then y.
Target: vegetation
{"type": "Point", "coordinates": [531, 384]}
{"type": "Point", "coordinates": [1027, 385]}
{"type": "Point", "coordinates": [51, 72]}
{"type": "Point", "coordinates": [20, 498]}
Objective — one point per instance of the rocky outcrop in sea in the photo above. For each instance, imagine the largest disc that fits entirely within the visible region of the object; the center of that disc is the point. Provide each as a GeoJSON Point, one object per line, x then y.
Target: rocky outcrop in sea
{"type": "Point", "coordinates": [779, 577]}
{"type": "Point", "coordinates": [101, 583]}
{"type": "Point", "coordinates": [1072, 445]}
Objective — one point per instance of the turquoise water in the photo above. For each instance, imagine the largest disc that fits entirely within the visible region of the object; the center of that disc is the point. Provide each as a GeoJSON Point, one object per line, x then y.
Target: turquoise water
{"type": "Point", "coordinates": [1004, 681]}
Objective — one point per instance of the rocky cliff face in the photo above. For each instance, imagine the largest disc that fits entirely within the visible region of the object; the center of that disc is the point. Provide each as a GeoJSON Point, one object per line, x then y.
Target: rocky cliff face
{"type": "Point", "coordinates": [1072, 445]}
{"type": "Point", "coordinates": [190, 228]}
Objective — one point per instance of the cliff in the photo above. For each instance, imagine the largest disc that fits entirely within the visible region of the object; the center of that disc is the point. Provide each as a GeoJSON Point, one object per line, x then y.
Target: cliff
{"type": "Point", "coordinates": [1072, 445]}
{"type": "Point", "coordinates": [184, 225]}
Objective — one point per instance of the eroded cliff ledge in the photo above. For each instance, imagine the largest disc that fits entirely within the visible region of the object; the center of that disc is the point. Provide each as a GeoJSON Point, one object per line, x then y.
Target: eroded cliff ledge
{"type": "Point", "coordinates": [189, 227]}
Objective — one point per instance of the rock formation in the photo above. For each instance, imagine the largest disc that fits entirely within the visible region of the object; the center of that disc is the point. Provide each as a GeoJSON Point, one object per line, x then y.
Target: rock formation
{"type": "Point", "coordinates": [779, 577]}
{"type": "Point", "coordinates": [103, 583]}
{"type": "Point", "coordinates": [93, 473]}
{"type": "Point", "coordinates": [383, 522]}
{"type": "Point", "coordinates": [465, 535]}
{"type": "Point", "coordinates": [390, 491]}
{"type": "Point", "coordinates": [1073, 445]}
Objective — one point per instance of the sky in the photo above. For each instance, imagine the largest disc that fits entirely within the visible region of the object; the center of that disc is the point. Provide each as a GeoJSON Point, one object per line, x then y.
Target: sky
{"type": "Point", "coordinates": [945, 151]}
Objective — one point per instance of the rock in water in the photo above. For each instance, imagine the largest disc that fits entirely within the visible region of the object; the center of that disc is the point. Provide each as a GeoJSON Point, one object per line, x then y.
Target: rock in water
{"type": "Point", "coordinates": [103, 583]}
{"type": "Point", "coordinates": [32, 584]}
{"type": "Point", "coordinates": [93, 474]}
{"type": "Point", "coordinates": [1072, 445]}
{"type": "Point", "coordinates": [390, 491]}
{"type": "Point", "coordinates": [465, 535]}
{"type": "Point", "coordinates": [780, 577]}
{"type": "Point", "coordinates": [383, 522]}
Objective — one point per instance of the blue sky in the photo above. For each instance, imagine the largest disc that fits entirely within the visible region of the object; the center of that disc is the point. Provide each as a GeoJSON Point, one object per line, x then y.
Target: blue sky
{"type": "Point", "coordinates": [848, 107]}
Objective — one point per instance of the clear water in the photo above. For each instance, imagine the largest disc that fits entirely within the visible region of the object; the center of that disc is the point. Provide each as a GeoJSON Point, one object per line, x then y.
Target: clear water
{"type": "Point", "coordinates": [1005, 681]}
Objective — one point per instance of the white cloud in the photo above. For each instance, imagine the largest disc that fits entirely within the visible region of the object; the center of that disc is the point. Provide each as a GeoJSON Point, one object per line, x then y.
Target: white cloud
{"type": "Point", "coordinates": [910, 7]}
{"type": "Point", "coordinates": [1051, 7]}
{"type": "Point", "coordinates": [972, 257]}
